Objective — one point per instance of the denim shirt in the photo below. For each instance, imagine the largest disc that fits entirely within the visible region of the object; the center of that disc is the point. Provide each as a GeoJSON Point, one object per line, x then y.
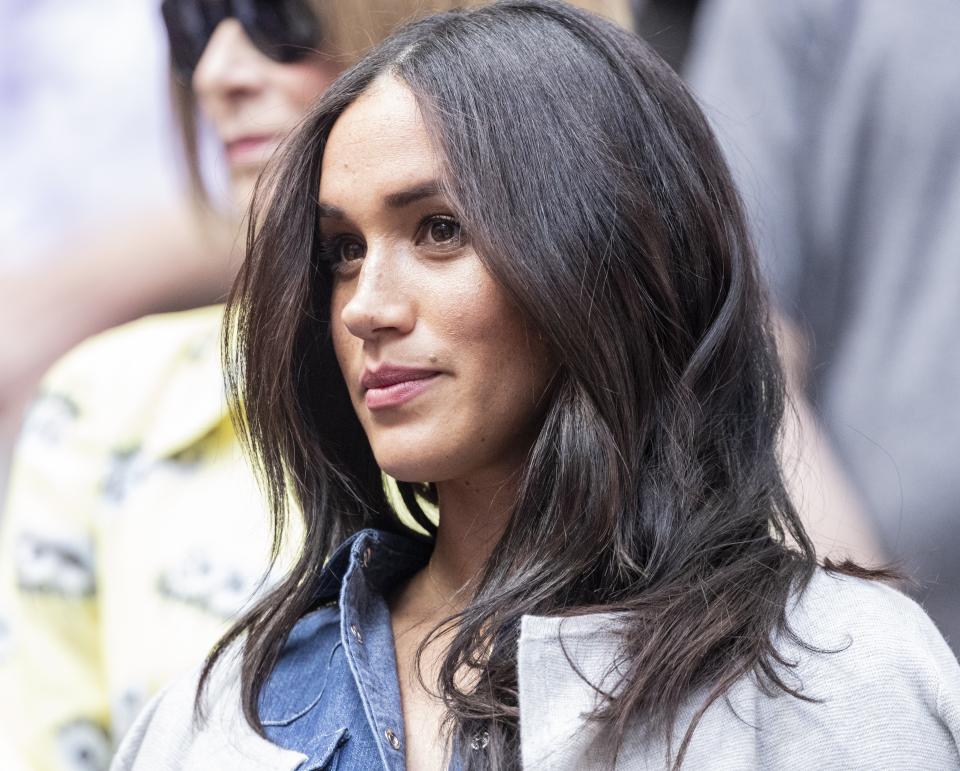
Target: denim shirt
{"type": "Point", "coordinates": [334, 695]}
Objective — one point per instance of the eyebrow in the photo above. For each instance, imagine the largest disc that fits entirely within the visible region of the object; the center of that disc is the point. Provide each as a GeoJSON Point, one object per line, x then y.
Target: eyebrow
{"type": "Point", "coordinates": [398, 200]}
{"type": "Point", "coordinates": [412, 194]}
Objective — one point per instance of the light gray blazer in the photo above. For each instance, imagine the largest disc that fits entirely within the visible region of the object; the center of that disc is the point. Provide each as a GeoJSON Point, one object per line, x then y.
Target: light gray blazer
{"type": "Point", "coordinates": [889, 698]}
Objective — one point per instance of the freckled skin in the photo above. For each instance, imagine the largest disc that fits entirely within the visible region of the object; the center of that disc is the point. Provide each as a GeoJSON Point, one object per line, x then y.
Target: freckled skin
{"type": "Point", "coordinates": [411, 305]}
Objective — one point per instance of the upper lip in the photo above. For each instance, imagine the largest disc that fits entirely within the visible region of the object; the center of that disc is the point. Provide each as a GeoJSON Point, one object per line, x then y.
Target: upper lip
{"type": "Point", "coordinates": [387, 375]}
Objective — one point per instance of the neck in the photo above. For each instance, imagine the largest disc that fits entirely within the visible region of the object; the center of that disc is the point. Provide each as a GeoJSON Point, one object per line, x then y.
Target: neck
{"type": "Point", "coordinates": [473, 517]}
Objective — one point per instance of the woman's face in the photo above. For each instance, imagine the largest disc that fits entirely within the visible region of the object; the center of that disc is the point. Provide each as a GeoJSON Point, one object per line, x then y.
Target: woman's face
{"type": "Point", "coordinates": [445, 376]}
{"type": "Point", "coordinates": [253, 101]}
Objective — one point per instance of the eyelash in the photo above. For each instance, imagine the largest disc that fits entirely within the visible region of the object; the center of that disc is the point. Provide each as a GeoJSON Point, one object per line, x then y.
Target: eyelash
{"type": "Point", "coordinates": [443, 219]}
{"type": "Point", "coordinates": [329, 252]}
{"type": "Point", "coordinates": [330, 247]}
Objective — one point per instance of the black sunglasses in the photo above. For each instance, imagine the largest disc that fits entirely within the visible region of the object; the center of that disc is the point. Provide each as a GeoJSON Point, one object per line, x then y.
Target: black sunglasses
{"type": "Point", "coordinates": [284, 30]}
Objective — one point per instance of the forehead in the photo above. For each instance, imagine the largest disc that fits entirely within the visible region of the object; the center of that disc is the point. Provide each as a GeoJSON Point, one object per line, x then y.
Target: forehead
{"type": "Point", "coordinates": [379, 144]}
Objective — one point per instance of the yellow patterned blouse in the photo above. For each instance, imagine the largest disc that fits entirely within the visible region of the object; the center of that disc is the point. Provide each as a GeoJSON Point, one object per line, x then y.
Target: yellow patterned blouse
{"type": "Point", "coordinates": [133, 531]}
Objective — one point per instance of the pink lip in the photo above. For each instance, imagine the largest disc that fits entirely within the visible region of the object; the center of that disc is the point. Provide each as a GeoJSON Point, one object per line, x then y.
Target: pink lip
{"type": "Point", "coordinates": [390, 386]}
{"type": "Point", "coordinates": [249, 149]}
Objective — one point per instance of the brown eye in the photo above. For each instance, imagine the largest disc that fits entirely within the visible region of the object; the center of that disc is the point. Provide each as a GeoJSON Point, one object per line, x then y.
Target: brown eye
{"type": "Point", "coordinates": [444, 230]}
{"type": "Point", "coordinates": [341, 252]}
{"type": "Point", "coordinates": [349, 250]}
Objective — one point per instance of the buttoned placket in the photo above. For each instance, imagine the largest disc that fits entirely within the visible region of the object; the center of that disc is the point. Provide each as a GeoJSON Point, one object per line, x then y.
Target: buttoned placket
{"type": "Point", "coordinates": [368, 642]}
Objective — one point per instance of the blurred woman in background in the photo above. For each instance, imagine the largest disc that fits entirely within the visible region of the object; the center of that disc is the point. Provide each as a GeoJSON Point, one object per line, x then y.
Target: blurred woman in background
{"type": "Point", "coordinates": [134, 528]}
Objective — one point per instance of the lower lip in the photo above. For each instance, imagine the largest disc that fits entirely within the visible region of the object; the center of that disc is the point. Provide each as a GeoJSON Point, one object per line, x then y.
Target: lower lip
{"type": "Point", "coordinates": [255, 150]}
{"type": "Point", "coordinates": [395, 395]}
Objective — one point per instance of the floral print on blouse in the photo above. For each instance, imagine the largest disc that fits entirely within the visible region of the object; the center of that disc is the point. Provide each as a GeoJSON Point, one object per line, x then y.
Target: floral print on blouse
{"type": "Point", "coordinates": [133, 533]}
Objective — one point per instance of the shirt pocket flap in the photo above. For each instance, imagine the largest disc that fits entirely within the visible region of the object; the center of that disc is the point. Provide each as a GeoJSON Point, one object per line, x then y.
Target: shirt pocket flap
{"type": "Point", "coordinates": [325, 751]}
{"type": "Point", "coordinates": [298, 680]}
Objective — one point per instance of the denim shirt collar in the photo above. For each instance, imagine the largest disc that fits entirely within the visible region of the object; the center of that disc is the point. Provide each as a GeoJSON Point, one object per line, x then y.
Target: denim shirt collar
{"type": "Point", "coordinates": [397, 558]}
{"type": "Point", "coordinates": [353, 586]}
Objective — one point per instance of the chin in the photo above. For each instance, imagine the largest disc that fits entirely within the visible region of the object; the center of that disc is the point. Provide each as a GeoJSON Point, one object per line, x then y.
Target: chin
{"type": "Point", "coordinates": [408, 470]}
{"type": "Point", "coordinates": [413, 461]}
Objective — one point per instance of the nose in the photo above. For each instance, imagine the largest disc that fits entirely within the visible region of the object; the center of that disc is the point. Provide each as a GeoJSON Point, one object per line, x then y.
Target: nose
{"type": "Point", "coordinates": [230, 67]}
{"type": "Point", "coordinates": [379, 306]}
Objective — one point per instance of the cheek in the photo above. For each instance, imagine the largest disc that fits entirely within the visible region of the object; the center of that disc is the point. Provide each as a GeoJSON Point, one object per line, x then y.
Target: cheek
{"type": "Point", "coordinates": [344, 343]}
{"type": "Point", "coordinates": [511, 367]}
{"type": "Point", "coordinates": [303, 83]}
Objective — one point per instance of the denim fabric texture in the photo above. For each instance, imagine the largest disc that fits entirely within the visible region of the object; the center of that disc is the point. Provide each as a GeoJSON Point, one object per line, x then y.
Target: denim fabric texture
{"type": "Point", "coordinates": [334, 694]}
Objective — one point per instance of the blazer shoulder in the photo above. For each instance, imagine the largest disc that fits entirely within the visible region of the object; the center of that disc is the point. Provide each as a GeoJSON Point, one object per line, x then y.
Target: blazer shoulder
{"type": "Point", "coordinates": [171, 734]}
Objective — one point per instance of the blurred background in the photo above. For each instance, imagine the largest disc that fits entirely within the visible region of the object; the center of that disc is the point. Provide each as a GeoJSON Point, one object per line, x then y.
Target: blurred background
{"type": "Point", "coordinates": [838, 118]}
{"type": "Point", "coordinates": [86, 139]}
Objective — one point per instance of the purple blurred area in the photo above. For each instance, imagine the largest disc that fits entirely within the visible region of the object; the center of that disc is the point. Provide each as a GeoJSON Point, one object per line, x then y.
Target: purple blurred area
{"type": "Point", "coordinates": [85, 130]}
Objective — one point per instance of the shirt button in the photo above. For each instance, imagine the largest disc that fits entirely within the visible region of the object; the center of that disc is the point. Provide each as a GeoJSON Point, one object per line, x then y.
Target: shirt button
{"type": "Point", "coordinates": [365, 558]}
{"type": "Point", "coordinates": [392, 738]}
{"type": "Point", "coordinates": [357, 635]}
{"type": "Point", "coordinates": [480, 740]}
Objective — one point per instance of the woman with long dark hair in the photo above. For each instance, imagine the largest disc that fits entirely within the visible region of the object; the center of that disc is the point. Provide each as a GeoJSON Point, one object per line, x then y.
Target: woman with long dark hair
{"type": "Point", "coordinates": [503, 262]}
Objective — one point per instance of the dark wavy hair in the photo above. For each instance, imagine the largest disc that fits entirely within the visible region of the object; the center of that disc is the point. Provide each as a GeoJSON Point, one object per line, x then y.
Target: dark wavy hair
{"type": "Point", "coordinates": [598, 199]}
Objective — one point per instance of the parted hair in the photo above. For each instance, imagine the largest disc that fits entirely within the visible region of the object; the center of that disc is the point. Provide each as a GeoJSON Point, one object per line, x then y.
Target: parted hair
{"type": "Point", "coordinates": [597, 198]}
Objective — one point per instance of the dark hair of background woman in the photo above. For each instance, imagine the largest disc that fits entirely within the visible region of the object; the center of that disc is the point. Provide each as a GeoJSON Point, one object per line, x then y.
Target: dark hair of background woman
{"type": "Point", "coordinates": [594, 193]}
